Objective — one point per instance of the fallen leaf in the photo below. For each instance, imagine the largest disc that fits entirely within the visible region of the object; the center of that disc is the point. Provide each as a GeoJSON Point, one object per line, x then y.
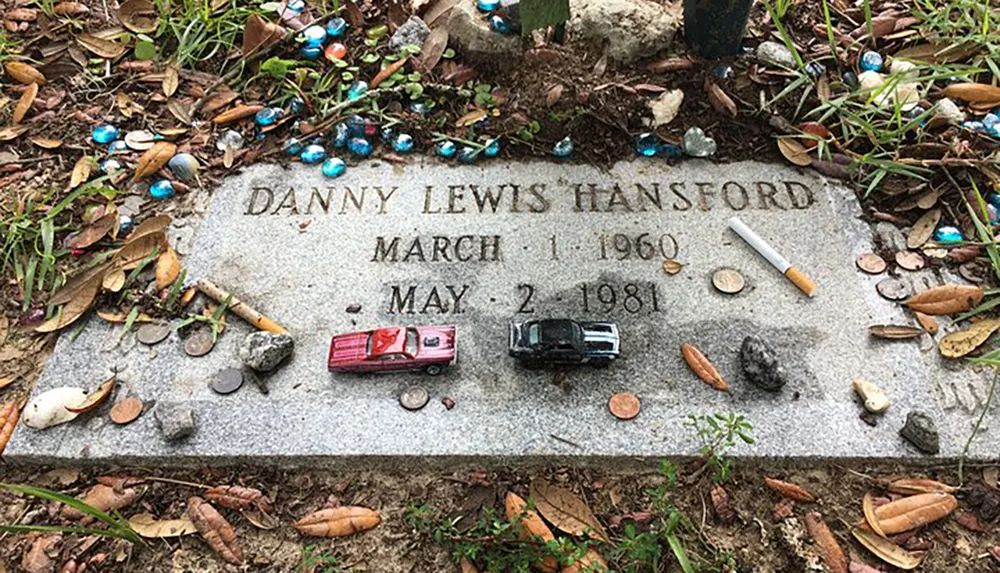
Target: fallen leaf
{"type": "Point", "coordinates": [914, 511]}
{"type": "Point", "coordinates": [923, 229]}
{"type": "Point", "coordinates": [36, 558]}
{"type": "Point", "coordinates": [672, 267]}
{"type": "Point", "coordinates": [704, 369]}
{"type": "Point", "coordinates": [387, 71]}
{"type": "Point", "coordinates": [9, 415]}
{"type": "Point", "coordinates": [566, 511]}
{"type": "Point", "coordinates": [106, 49]}
{"type": "Point", "coordinates": [237, 113]}
{"type": "Point", "coordinates": [259, 33]}
{"type": "Point", "coordinates": [354, 14]}
{"type": "Point", "coordinates": [154, 159]}
{"type": "Point", "coordinates": [910, 486]}
{"type": "Point", "coordinates": [11, 131]}
{"type": "Point", "coordinates": [135, 252]}
{"type": "Point", "coordinates": [139, 16]}
{"type": "Point", "coordinates": [973, 92]}
{"type": "Point", "coordinates": [24, 73]}
{"type": "Point", "coordinates": [721, 101]}
{"type": "Point", "coordinates": [170, 81]}
{"type": "Point", "coordinates": [114, 282]}
{"type": "Point", "coordinates": [434, 47]}
{"type": "Point", "coordinates": [24, 104]}
{"type": "Point", "coordinates": [894, 331]}
{"type": "Point", "coordinates": [470, 118]}
{"type": "Point", "coordinates": [991, 475]}
{"type": "Point", "coordinates": [126, 411]}
{"type": "Point", "coordinates": [553, 95]}
{"type": "Point", "coordinates": [148, 227]}
{"type": "Point", "coordinates": [790, 490]}
{"type": "Point", "coordinates": [783, 510]}
{"type": "Point", "coordinates": [670, 65]}
{"type": "Point", "coordinates": [47, 143]}
{"type": "Point", "coordinates": [261, 519]}
{"type": "Point", "coordinates": [338, 521]}
{"type": "Point", "coordinates": [93, 232]}
{"type": "Point", "coordinates": [946, 299]}
{"type": "Point", "coordinates": [4, 329]}
{"type": "Point", "coordinates": [958, 344]}
{"type": "Point", "coordinates": [238, 497]}
{"type": "Point", "coordinates": [531, 525]}
{"type": "Point", "coordinates": [216, 531]}
{"type": "Point", "coordinates": [886, 550]}
{"type": "Point", "coordinates": [122, 318]}
{"type": "Point", "coordinates": [22, 14]}
{"type": "Point", "coordinates": [928, 323]}
{"type": "Point", "coordinates": [168, 268]}
{"type": "Point", "coordinates": [181, 109]}
{"type": "Point", "coordinates": [81, 302]}
{"type": "Point", "coordinates": [95, 398]}
{"type": "Point", "coordinates": [794, 152]}
{"type": "Point", "coordinates": [70, 9]}
{"type": "Point", "coordinates": [81, 171]}
{"type": "Point", "coordinates": [78, 282]}
{"type": "Point", "coordinates": [7, 381]}
{"type": "Point", "coordinates": [103, 497]}
{"type": "Point", "coordinates": [146, 525]}
{"type": "Point", "coordinates": [468, 567]}
{"type": "Point", "coordinates": [833, 555]}
{"type": "Point", "coordinates": [722, 504]}
{"type": "Point", "coordinates": [966, 520]}
{"type": "Point", "coordinates": [868, 506]}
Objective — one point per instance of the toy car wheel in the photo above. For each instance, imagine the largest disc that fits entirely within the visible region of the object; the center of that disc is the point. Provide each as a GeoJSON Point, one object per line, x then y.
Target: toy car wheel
{"type": "Point", "coordinates": [434, 369]}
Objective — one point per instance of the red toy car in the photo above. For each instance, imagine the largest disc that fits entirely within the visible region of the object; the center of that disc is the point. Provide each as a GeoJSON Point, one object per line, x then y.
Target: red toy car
{"type": "Point", "coordinates": [428, 348]}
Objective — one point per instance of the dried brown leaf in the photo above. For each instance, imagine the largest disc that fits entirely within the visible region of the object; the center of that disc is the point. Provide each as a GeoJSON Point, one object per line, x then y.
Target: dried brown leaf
{"type": "Point", "coordinates": [868, 506]}
{"type": "Point", "coordinates": [36, 557]}
{"type": "Point", "coordinates": [566, 511]}
{"type": "Point", "coordinates": [554, 94]}
{"type": "Point", "coordinates": [146, 525]}
{"type": "Point", "coordinates": [946, 299]}
{"type": "Point", "coordinates": [790, 490]}
{"type": "Point", "coordinates": [958, 344]}
{"type": "Point", "coordinates": [531, 525]}
{"type": "Point", "coordinates": [114, 281]}
{"type": "Point", "coordinates": [168, 268]}
{"type": "Point", "coordinates": [703, 368]}
{"type": "Point", "coordinates": [914, 511]}
{"type": "Point", "coordinates": [24, 104]}
{"type": "Point", "coordinates": [591, 562]}
{"type": "Point", "coordinates": [78, 282]}
{"type": "Point", "coordinates": [81, 302]}
{"type": "Point", "coordinates": [103, 497]}
{"type": "Point", "coordinates": [470, 118]}
{"type": "Point", "coordinates": [259, 33]}
{"type": "Point", "coordinates": [93, 232]}
{"type": "Point", "coordinates": [136, 251]}
{"type": "Point", "coordinates": [722, 504]}
{"type": "Point", "coordinates": [434, 48]}
{"type": "Point", "coordinates": [437, 10]}
{"type": "Point", "coordinates": [9, 415]}
{"type": "Point", "coordinates": [154, 159]}
{"type": "Point", "coordinates": [468, 567]}
{"type": "Point", "coordinates": [81, 171]}
{"type": "Point", "coordinates": [387, 71]}
{"type": "Point", "coordinates": [12, 131]}
{"type": "Point", "coordinates": [895, 331]}
{"type": "Point", "coordinates": [106, 49]}
{"type": "Point", "coordinates": [928, 323]}
{"type": "Point", "coordinates": [923, 229]}
{"type": "Point", "coordinates": [96, 398]}
{"type": "Point", "coordinates": [180, 109]}
{"type": "Point", "coordinates": [720, 100]}
{"type": "Point", "coordinates": [783, 509]}
{"type": "Point", "coordinates": [70, 9]}
{"type": "Point", "coordinates": [970, 522]}
{"type": "Point", "coordinates": [237, 113]}
{"type": "Point", "coordinates": [354, 14]}
{"type": "Point", "coordinates": [216, 531]}
{"type": "Point", "coordinates": [913, 486]}
{"type": "Point", "coordinates": [670, 65]}
{"type": "Point", "coordinates": [672, 267]}
{"type": "Point", "coordinates": [46, 143]}
{"type": "Point", "coordinates": [171, 79]}
{"type": "Point", "coordinates": [973, 92]}
{"type": "Point", "coordinates": [794, 151]}
{"type": "Point", "coordinates": [991, 475]}
{"type": "Point", "coordinates": [831, 551]}
{"type": "Point", "coordinates": [238, 497]}
{"type": "Point", "coordinates": [886, 550]}
{"type": "Point", "coordinates": [140, 16]}
{"type": "Point", "coordinates": [148, 227]}
{"type": "Point", "coordinates": [338, 521]}
{"type": "Point", "coordinates": [24, 73]}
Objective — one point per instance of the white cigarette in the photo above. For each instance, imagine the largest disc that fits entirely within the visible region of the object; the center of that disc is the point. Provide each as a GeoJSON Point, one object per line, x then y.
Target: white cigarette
{"type": "Point", "coordinates": [779, 262]}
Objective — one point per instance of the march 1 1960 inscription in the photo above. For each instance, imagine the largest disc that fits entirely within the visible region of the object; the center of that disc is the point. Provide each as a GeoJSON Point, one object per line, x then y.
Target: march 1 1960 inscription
{"type": "Point", "coordinates": [442, 203]}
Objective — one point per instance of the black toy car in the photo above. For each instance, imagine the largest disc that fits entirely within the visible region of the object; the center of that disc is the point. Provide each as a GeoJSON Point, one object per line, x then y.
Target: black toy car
{"type": "Point", "coordinates": [537, 343]}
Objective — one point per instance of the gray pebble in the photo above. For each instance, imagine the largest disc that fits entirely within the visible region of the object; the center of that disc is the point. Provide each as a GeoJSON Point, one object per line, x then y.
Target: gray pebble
{"type": "Point", "coordinates": [413, 32]}
{"type": "Point", "coordinates": [760, 364]}
{"type": "Point", "coordinates": [264, 351]}
{"type": "Point", "coordinates": [175, 419]}
{"type": "Point", "coordinates": [775, 54]}
{"type": "Point", "coordinates": [921, 431]}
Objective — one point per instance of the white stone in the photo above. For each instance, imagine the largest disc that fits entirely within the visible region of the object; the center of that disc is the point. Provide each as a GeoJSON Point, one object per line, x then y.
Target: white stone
{"type": "Point", "coordinates": [874, 398]}
{"type": "Point", "coordinates": [665, 107]}
{"type": "Point", "coordinates": [468, 28]}
{"type": "Point", "coordinates": [870, 80]}
{"type": "Point", "coordinates": [902, 67]}
{"type": "Point", "coordinates": [947, 109]}
{"type": "Point", "coordinates": [628, 29]}
{"type": "Point", "coordinates": [775, 54]}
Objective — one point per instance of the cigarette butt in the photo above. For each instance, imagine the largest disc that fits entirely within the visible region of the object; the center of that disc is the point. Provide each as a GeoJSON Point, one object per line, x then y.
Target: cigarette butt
{"type": "Point", "coordinates": [800, 280]}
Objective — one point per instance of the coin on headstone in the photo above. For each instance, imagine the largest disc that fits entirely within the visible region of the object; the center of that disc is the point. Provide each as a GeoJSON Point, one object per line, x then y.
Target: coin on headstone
{"type": "Point", "coordinates": [909, 260]}
{"type": "Point", "coordinates": [414, 398]}
{"type": "Point", "coordinates": [150, 334]}
{"type": "Point", "coordinates": [973, 271]}
{"type": "Point", "coordinates": [624, 406]}
{"type": "Point", "coordinates": [125, 411]}
{"type": "Point", "coordinates": [228, 381]}
{"type": "Point", "coordinates": [893, 289]}
{"type": "Point", "coordinates": [199, 343]}
{"type": "Point", "coordinates": [871, 263]}
{"type": "Point", "coordinates": [727, 280]}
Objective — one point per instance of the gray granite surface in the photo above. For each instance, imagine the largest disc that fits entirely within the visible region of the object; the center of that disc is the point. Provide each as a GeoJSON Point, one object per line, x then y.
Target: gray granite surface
{"type": "Point", "coordinates": [303, 265]}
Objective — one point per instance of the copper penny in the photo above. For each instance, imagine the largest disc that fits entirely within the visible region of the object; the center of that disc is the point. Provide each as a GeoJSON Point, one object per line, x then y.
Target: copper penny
{"type": "Point", "coordinates": [728, 281]}
{"type": "Point", "coordinates": [893, 289]}
{"type": "Point", "coordinates": [228, 381]}
{"type": "Point", "coordinates": [624, 406]}
{"type": "Point", "coordinates": [150, 334]}
{"type": "Point", "coordinates": [199, 343]}
{"type": "Point", "coordinates": [909, 260]}
{"type": "Point", "coordinates": [871, 263]}
{"type": "Point", "coordinates": [125, 411]}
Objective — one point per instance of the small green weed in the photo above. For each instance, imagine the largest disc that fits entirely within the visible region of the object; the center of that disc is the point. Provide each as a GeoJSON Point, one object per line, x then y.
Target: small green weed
{"type": "Point", "coordinates": [316, 559]}
{"type": "Point", "coordinates": [718, 434]}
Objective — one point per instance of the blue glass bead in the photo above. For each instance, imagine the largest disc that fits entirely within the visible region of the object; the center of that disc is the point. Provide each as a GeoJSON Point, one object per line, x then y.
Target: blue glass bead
{"type": "Point", "coordinates": [871, 61]}
{"type": "Point", "coordinates": [418, 107]}
{"type": "Point", "coordinates": [259, 135]}
{"type": "Point", "coordinates": [336, 27]}
{"type": "Point", "coordinates": [314, 36]}
{"type": "Point", "coordinates": [974, 125]}
{"type": "Point", "coordinates": [670, 150]}
{"type": "Point", "coordinates": [125, 225]}
{"type": "Point", "coordinates": [184, 166]}
{"type": "Point", "coordinates": [229, 138]}
{"type": "Point", "coordinates": [990, 120]}
{"type": "Point", "coordinates": [995, 131]}
{"type": "Point", "coordinates": [340, 135]}
{"type": "Point", "coordinates": [815, 69]}
{"type": "Point", "coordinates": [403, 143]}
{"type": "Point", "coordinates": [386, 133]}
{"type": "Point", "coordinates": [356, 125]}
{"type": "Point", "coordinates": [357, 90]}
{"type": "Point", "coordinates": [309, 52]}
{"type": "Point", "coordinates": [948, 234]}
{"type": "Point", "coordinates": [499, 24]}
{"type": "Point", "coordinates": [313, 154]}
{"type": "Point", "coordinates": [492, 148]}
{"type": "Point", "coordinates": [468, 155]}
{"type": "Point", "coordinates": [487, 5]}
{"type": "Point", "coordinates": [334, 167]}
{"type": "Point", "coordinates": [851, 80]}
{"type": "Point", "coordinates": [647, 144]}
{"type": "Point", "coordinates": [991, 214]}
{"type": "Point", "coordinates": [117, 146]}
{"type": "Point", "coordinates": [296, 104]}
{"type": "Point", "coordinates": [296, 6]}
{"type": "Point", "coordinates": [722, 72]}
{"type": "Point", "coordinates": [109, 166]}
{"type": "Point", "coordinates": [105, 133]}
{"type": "Point", "coordinates": [993, 198]}
{"type": "Point", "coordinates": [162, 189]}
{"type": "Point", "coordinates": [293, 146]}
{"type": "Point", "coordinates": [446, 149]}
{"type": "Point", "coordinates": [267, 116]}
{"type": "Point", "coordinates": [563, 147]}
{"type": "Point", "coordinates": [359, 146]}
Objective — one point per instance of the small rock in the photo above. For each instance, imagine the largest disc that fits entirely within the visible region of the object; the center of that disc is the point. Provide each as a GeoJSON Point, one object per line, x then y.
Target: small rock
{"type": "Point", "coordinates": [175, 419]}
{"type": "Point", "coordinates": [627, 29]}
{"type": "Point", "coordinates": [873, 398]}
{"type": "Point", "coordinates": [869, 418]}
{"type": "Point", "coordinates": [665, 107]}
{"type": "Point", "coordinates": [946, 109]}
{"type": "Point", "coordinates": [775, 54]}
{"type": "Point", "coordinates": [253, 378]}
{"type": "Point", "coordinates": [902, 67]}
{"type": "Point", "coordinates": [264, 351]}
{"type": "Point", "coordinates": [413, 32]}
{"type": "Point", "coordinates": [467, 27]}
{"type": "Point", "coordinates": [921, 431]}
{"type": "Point", "coordinates": [353, 309]}
{"type": "Point", "coordinates": [448, 403]}
{"type": "Point", "coordinates": [890, 236]}
{"type": "Point", "coordinates": [760, 364]}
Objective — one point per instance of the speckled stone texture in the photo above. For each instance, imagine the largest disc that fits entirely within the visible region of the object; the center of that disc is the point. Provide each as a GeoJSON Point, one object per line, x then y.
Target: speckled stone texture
{"type": "Point", "coordinates": [307, 257]}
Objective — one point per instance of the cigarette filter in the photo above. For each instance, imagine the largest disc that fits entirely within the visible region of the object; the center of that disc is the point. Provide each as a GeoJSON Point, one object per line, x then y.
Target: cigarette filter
{"type": "Point", "coordinates": [804, 283]}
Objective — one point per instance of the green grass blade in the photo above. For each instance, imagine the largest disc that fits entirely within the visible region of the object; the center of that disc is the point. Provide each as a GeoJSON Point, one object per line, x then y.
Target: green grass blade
{"type": "Point", "coordinates": [680, 554]}
{"type": "Point", "coordinates": [121, 528]}
{"type": "Point", "coordinates": [63, 529]}
{"type": "Point", "coordinates": [988, 305]}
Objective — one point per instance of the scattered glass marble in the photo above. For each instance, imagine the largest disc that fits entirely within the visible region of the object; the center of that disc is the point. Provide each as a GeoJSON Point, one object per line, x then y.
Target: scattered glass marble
{"type": "Point", "coordinates": [973, 125]}
{"type": "Point", "coordinates": [356, 126]}
{"type": "Point", "coordinates": [419, 107]}
{"type": "Point", "coordinates": [310, 52]}
{"type": "Point", "coordinates": [563, 147]}
{"type": "Point", "coordinates": [184, 166]}
{"type": "Point", "coordinates": [722, 72]}
{"type": "Point", "coordinates": [948, 234]}
{"type": "Point", "coordinates": [336, 27]}
{"type": "Point", "coordinates": [377, 32]}
{"type": "Point", "coordinates": [313, 154]}
{"type": "Point", "coordinates": [468, 155]}
{"type": "Point", "coordinates": [697, 144]}
{"type": "Point", "coordinates": [915, 112]}
{"type": "Point", "coordinates": [335, 51]}
{"type": "Point", "coordinates": [162, 189]}
{"type": "Point", "coordinates": [334, 167]}
{"type": "Point", "coordinates": [487, 5]}
{"type": "Point", "coordinates": [295, 6]}
{"type": "Point", "coordinates": [109, 166]}
{"type": "Point", "coordinates": [293, 146]}
{"type": "Point", "coordinates": [991, 214]}
{"type": "Point", "coordinates": [104, 133]}
{"type": "Point", "coordinates": [871, 61]}
{"type": "Point", "coordinates": [990, 120]}
{"type": "Point", "coordinates": [296, 104]}
{"type": "Point", "coordinates": [647, 144]}
{"type": "Point", "coordinates": [492, 148]}
{"type": "Point", "coordinates": [357, 90]}
{"type": "Point", "coordinates": [314, 36]}
{"type": "Point", "coordinates": [267, 116]}
{"type": "Point", "coordinates": [851, 80]}
{"type": "Point", "coordinates": [259, 135]}
{"type": "Point", "coordinates": [229, 138]}
{"type": "Point", "coordinates": [117, 146]}
{"type": "Point", "coordinates": [340, 135]}
{"type": "Point", "coordinates": [670, 150]}
{"type": "Point", "coordinates": [125, 225]}
{"type": "Point", "coordinates": [499, 24]}
{"type": "Point", "coordinates": [386, 133]}
{"type": "Point", "coordinates": [446, 149]}
{"type": "Point", "coordinates": [993, 198]}
{"type": "Point", "coordinates": [403, 143]}
{"type": "Point", "coordinates": [359, 146]}
{"type": "Point", "coordinates": [815, 69]}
